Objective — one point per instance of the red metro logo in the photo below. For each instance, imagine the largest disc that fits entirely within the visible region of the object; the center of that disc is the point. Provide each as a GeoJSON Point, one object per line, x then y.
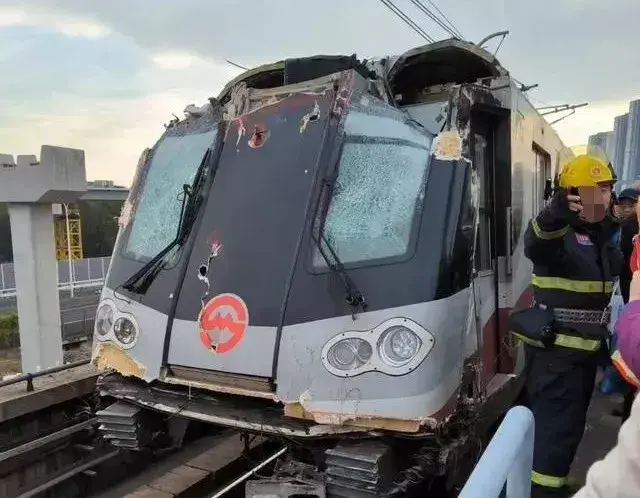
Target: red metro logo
{"type": "Point", "coordinates": [222, 322]}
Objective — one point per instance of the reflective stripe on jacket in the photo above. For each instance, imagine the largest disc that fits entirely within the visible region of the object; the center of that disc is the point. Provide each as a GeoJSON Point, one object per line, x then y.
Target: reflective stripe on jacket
{"type": "Point", "coordinates": [571, 269]}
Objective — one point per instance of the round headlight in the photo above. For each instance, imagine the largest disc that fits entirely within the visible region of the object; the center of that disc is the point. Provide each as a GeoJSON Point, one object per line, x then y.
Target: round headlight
{"type": "Point", "coordinates": [125, 331]}
{"type": "Point", "coordinates": [104, 320]}
{"type": "Point", "coordinates": [349, 354]}
{"type": "Point", "coordinates": [399, 345]}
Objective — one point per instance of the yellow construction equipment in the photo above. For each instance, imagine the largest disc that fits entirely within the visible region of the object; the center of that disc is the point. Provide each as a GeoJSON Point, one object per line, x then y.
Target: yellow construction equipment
{"type": "Point", "coordinates": [68, 234]}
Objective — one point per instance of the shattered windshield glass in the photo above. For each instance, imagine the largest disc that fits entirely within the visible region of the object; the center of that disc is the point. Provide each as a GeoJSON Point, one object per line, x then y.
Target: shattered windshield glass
{"type": "Point", "coordinates": [379, 188]}
{"type": "Point", "coordinates": [431, 115]}
{"type": "Point", "coordinates": [174, 163]}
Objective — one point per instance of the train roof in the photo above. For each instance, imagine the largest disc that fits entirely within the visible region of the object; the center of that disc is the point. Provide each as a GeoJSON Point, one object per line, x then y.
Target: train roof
{"type": "Point", "coordinates": [448, 61]}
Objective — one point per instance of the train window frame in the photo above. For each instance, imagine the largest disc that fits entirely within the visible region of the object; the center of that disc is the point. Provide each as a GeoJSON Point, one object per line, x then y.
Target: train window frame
{"type": "Point", "coordinates": [124, 250]}
{"type": "Point", "coordinates": [485, 253]}
{"type": "Point", "coordinates": [317, 264]}
{"type": "Point", "coordinates": [541, 171]}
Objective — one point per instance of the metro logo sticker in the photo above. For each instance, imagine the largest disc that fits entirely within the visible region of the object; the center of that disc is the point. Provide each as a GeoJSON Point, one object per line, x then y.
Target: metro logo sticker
{"type": "Point", "coordinates": [223, 322]}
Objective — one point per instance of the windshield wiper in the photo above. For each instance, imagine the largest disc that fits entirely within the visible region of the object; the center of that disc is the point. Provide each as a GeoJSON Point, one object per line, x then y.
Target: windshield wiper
{"type": "Point", "coordinates": [140, 281]}
{"type": "Point", "coordinates": [354, 297]}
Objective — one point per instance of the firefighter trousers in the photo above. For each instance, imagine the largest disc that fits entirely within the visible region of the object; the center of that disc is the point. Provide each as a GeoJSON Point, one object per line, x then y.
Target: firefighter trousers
{"type": "Point", "coordinates": [559, 385]}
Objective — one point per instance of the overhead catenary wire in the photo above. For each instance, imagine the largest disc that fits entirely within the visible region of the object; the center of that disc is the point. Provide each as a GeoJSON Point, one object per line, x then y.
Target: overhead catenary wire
{"type": "Point", "coordinates": [407, 20]}
{"type": "Point", "coordinates": [435, 18]}
{"type": "Point", "coordinates": [445, 23]}
{"type": "Point", "coordinates": [460, 35]}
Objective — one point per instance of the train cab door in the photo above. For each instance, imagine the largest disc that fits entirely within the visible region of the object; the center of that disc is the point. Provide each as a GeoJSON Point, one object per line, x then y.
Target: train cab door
{"type": "Point", "coordinates": [485, 283]}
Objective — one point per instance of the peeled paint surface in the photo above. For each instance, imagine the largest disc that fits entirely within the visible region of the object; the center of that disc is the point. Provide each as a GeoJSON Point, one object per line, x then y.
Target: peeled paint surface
{"type": "Point", "coordinates": [174, 163]}
{"type": "Point", "coordinates": [447, 146]}
{"type": "Point", "coordinates": [125, 214]}
{"type": "Point", "coordinates": [108, 356]}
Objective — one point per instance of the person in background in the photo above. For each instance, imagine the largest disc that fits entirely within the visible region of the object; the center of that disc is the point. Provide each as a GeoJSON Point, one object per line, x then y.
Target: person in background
{"type": "Point", "coordinates": [627, 201]}
{"type": "Point", "coordinates": [618, 474]}
{"type": "Point", "coordinates": [627, 204]}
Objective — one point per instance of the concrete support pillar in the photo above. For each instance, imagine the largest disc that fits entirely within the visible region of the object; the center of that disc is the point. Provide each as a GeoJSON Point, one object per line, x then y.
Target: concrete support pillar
{"type": "Point", "coordinates": [30, 187]}
{"type": "Point", "coordinates": [37, 284]}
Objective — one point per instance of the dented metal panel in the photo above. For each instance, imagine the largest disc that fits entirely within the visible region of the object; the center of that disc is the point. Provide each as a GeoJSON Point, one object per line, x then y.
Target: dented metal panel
{"type": "Point", "coordinates": [257, 299]}
{"type": "Point", "coordinates": [419, 396]}
{"type": "Point", "coordinates": [260, 183]}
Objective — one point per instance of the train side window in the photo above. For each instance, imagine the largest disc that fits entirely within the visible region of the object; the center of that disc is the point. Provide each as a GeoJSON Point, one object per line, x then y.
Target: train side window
{"type": "Point", "coordinates": [483, 166]}
{"type": "Point", "coordinates": [542, 175]}
{"type": "Point", "coordinates": [378, 191]}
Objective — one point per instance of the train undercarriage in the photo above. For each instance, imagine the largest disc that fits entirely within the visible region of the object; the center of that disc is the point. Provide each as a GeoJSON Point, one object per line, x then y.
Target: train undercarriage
{"type": "Point", "coordinates": [317, 460]}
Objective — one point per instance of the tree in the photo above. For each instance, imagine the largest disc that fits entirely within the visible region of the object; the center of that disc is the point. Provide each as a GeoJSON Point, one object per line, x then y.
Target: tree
{"type": "Point", "coordinates": [6, 251]}
{"type": "Point", "coordinates": [99, 222]}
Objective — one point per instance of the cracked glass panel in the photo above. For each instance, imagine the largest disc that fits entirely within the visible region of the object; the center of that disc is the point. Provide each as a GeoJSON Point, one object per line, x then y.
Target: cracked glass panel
{"type": "Point", "coordinates": [379, 188]}
{"type": "Point", "coordinates": [175, 162]}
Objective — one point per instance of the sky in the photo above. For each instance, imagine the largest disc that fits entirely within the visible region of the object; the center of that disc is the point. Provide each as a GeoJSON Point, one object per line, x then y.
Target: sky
{"type": "Point", "coordinates": [104, 76]}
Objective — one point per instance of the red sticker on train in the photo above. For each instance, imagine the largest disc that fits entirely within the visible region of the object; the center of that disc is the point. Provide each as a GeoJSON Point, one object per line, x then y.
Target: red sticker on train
{"type": "Point", "coordinates": [223, 322]}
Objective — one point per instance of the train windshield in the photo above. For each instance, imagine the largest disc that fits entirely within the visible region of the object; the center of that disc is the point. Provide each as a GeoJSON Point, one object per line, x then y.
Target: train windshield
{"type": "Point", "coordinates": [174, 163]}
{"type": "Point", "coordinates": [379, 187]}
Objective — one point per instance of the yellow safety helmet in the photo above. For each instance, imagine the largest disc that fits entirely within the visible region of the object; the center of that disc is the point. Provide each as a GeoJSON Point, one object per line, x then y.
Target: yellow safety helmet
{"type": "Point", "coordinates": [584, 166]}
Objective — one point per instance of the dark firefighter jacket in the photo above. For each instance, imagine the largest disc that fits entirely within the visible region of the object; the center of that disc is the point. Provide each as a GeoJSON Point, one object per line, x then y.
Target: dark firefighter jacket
{"type": "Point", "coordinates": [574, 264]}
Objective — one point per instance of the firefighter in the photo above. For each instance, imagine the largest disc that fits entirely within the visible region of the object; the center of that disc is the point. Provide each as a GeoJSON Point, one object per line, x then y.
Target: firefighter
{"type": "Point", "coordinates": [574, 265]}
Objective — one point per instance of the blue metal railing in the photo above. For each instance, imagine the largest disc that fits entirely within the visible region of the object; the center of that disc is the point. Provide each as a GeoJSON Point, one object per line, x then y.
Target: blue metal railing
{"type": "Point", "coordinates": [507, 459]}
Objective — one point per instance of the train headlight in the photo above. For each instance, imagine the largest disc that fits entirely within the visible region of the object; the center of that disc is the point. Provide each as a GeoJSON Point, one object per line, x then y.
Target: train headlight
{"type": "Point", "coordinates": [126, 331]}
{"type": "Point", "coordinates": [104, 320]}
{"type": "Point", "coordinates": [349, 354]}
{"type": "Point", "coordinates": [395, 347]}
{"type": "Point", "coordinates": [398, 345]}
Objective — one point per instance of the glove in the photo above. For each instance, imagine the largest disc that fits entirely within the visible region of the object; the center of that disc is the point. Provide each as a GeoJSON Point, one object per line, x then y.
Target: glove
{"type": "Point", "coordinates": [556, 214]}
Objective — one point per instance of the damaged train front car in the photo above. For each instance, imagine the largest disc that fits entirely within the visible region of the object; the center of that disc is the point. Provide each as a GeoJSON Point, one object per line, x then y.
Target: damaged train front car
{"type": "Point", "coordinates": [295, 258]}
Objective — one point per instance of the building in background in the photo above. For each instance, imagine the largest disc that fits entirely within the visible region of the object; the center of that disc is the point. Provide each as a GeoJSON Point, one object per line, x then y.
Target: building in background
{"type": "Point", "coordinates": [619, 143]}
{"type": "Point", "coordinates": [631, 168]}
{"type": "Point", "coordinates": [622, 146]}
{"type": "Point", "coordinates": [605, 141]}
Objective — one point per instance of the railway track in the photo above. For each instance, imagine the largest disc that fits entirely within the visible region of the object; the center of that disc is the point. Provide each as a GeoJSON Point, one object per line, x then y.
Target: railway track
{"type": "Point", "coordinates": [213, 466]}
{"type": "Point", "coordinates": [73, 461]}
{"type": "Point", "coordinates": [55, 452]}
{"type": "Point", "coordinates": [70, 460]}
{"type": "Point", "coordinates": [49, 439]}
{"type": "Point", "coordinates": [51, 445]}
